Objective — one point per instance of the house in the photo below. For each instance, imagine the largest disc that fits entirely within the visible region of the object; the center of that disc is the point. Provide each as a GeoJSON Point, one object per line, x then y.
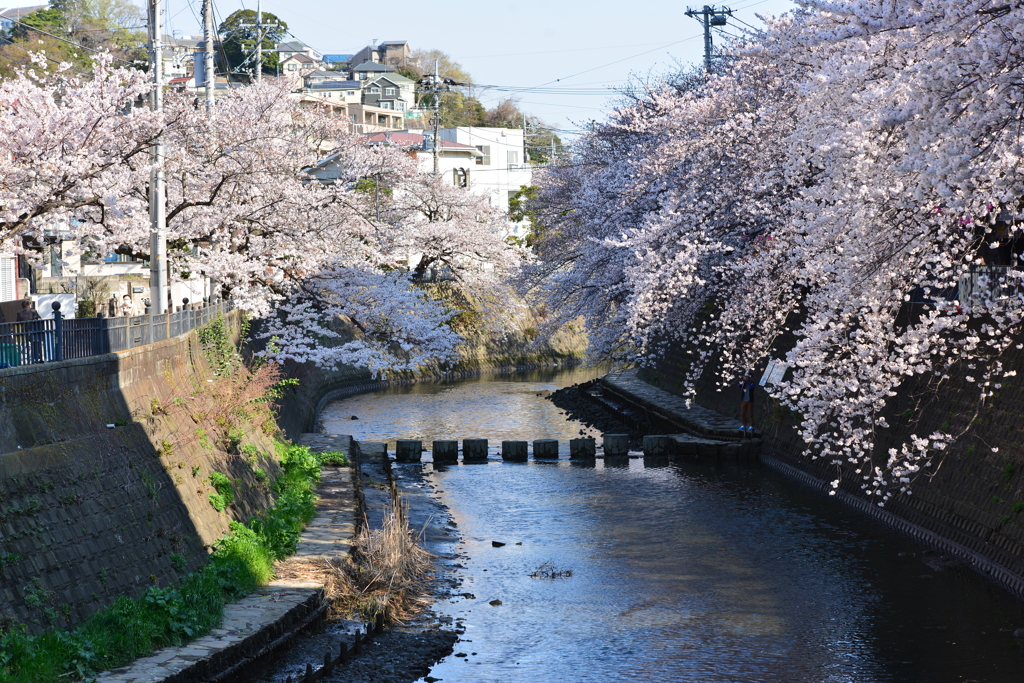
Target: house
{"type": "Point", "coordinates": [297, 66]}
{"type": "Point", "coordinates": [369, 71]}
{"type": "Point", "coordinates": [334, 91]}
{"type": "Point", "coordinates": [392, 91]}
{"type": "Point", "coordinates": [297, 47]}
{"type": "Point", "coordinates": [501, 168]}
{"type": "Point", "coordinates": [337, 62]}
{"type": "Point", "coordinates": [10, 15]}
{"type": "Point", "coordinates": [394, 53]}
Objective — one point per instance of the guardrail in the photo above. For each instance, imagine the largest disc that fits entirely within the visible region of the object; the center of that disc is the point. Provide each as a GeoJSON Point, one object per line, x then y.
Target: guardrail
{"type": "Point", "coordinates": [60, 338]}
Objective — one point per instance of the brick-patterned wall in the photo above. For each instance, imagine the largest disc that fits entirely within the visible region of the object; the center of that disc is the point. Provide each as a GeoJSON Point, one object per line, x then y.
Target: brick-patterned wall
{"type": "Point", "coordinates": [972, 495]}
{"type": "Point", "coordinates": [89, 513]}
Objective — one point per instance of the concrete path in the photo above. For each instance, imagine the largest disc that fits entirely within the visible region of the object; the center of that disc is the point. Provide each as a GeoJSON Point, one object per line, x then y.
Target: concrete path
{"type": "Point", "coordinates": [709, 433]}
{"type": "Point", "coordinates": [694, 418]}
{"type": "Point", "coordinates": [273, 612]}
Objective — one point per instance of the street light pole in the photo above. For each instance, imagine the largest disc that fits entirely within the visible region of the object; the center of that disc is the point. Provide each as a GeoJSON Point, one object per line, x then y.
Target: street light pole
{"type": "Point", "coordinates": [157, 201]}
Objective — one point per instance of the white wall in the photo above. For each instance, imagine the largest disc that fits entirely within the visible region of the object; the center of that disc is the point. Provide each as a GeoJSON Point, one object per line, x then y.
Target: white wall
{"type": "Point", "coordinates": [497, 178]}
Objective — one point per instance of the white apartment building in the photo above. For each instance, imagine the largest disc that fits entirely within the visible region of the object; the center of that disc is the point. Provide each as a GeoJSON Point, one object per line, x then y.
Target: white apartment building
{"type": "Point", "coordinates": [501, 169]}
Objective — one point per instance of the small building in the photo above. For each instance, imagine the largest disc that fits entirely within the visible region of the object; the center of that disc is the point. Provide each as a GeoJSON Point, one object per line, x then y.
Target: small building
{"type": "Point", "coordinates": [501, 169]}
{"type": "Point", "coordinates": [393, 53]}
{"type": "Point", "coordinates": [391, 91]}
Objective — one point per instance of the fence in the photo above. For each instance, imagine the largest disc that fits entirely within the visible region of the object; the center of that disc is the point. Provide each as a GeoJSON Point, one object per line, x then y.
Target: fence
{"type": "Point", "coordinates": [43, 341]}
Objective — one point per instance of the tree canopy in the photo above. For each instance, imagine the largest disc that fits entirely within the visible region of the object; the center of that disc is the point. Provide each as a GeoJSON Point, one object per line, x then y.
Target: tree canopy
{"type": "Point", "coordinates": [238, 35]}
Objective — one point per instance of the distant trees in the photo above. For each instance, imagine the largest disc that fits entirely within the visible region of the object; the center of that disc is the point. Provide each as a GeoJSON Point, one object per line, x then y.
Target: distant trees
{"type": "Point", "coordinates": [117, 26]}
{"type": "Point", "coordinates": [238, 36]}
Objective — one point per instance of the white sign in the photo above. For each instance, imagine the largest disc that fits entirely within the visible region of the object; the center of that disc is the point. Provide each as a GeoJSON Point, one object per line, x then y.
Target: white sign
{"type": "Point", "coordinates": [767, 373]}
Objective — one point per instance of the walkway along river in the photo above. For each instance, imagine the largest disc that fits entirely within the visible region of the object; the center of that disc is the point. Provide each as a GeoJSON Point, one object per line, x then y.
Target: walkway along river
{"type": "Point", "coordinates": [697, 571]}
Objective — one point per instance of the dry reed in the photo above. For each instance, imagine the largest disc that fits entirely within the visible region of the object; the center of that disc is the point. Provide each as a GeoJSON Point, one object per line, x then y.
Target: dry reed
{"type": "Point", "coordinates": [388, 573]}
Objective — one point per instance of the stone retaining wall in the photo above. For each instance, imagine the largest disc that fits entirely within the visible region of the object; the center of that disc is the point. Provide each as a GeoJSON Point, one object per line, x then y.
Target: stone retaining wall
{"type": "Point", "coordinates": [90, 512]}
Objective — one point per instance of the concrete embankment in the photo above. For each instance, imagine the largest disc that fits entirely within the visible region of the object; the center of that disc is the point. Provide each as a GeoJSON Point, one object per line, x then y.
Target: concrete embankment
{"type": "Point", "coordinates": [951, 509]}
{"type": "Point", "coordinates": [260, 624]}
{"type": "Point", "coordinates": [105, 466]}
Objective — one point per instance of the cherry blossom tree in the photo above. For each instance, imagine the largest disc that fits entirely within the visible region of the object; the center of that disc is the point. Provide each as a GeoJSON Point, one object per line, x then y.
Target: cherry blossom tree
{"type": "Point", "coordinates": [71, 146]}
{"type": "Point", "coordinates": [853, 157]}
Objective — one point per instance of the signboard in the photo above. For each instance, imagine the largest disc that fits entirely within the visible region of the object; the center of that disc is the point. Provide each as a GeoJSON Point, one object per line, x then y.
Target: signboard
{"type": "Point", "coordinates": [774, 373]}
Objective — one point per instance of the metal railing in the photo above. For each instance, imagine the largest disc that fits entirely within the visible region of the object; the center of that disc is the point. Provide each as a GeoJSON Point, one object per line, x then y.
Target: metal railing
{"type": "Point", "coordinates": [60, 338]}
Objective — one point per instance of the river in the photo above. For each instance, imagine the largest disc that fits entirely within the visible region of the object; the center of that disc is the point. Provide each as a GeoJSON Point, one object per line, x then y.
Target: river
{"type": "Point", "coordinates": [695, 571]}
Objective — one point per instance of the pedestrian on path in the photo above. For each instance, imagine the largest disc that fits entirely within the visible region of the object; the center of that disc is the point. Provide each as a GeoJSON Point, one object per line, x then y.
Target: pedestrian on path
{"type": "Point", "coordinates": [747, 403]}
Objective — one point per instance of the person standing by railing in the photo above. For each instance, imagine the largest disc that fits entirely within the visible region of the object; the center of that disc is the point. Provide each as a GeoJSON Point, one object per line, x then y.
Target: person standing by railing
{"type": "Point", "coordinates": [30, 316]}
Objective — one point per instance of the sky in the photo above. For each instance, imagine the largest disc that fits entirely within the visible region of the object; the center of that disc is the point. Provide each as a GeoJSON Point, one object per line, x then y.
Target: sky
{"type": "Point", "coordinates": [562, 59]}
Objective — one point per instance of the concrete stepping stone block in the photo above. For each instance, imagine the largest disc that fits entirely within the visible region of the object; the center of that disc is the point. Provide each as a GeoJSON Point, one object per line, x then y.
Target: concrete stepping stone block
{"type": "Point", "coordinates": [408, 450]}
{"type": "Point", "coordinates": [514, 451]}
{"type": "Point", "coordinates": [474, 450]}
{"type": "Point", "coordinates": [582, 449]}
{"type": "Point", "coordinates": [657, 445]}
{"type": "Point", "coordinates": [446, 452]}
{"type": "Point", "coordinates": [545, 449]}
{"type": "Point", "coordinates": [616, 444]}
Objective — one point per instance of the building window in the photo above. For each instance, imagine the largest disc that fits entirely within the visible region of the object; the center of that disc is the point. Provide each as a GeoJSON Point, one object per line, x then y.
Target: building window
{"type": "Point", "coordinates": [374, 90]}
{"type": "Point", "coordinates": [292, 67]}
{"type": "Point", "coordinates": [513, 159]}
{"type": "Point", "coordinates": [485, 160]}
{"type": "Point", "coordinates": [460, 177]}
{"type": "Point", "coordinates": [389, 91]}
{"type": "Point", "coordinates": [385, 105]}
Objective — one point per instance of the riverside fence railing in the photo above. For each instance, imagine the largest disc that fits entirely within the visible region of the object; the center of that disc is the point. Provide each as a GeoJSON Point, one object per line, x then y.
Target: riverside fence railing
{"type": "Point", "coordinates": [60, 338]}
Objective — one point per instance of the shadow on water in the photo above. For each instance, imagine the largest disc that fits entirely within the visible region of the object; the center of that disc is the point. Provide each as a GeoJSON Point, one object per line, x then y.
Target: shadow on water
{"type": "Point", "coordinates": [689, 571]}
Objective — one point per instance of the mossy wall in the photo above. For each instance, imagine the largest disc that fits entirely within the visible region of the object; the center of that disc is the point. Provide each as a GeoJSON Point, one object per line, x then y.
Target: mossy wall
{"type": "Point", "coordinates": [973, 494]}
{"type": "Point", "coordinates": [89, 512]}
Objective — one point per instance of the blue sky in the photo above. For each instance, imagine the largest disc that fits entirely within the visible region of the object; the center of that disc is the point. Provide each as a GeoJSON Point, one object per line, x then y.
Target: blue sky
{"type": "Point", "coordinates": [592, 47]}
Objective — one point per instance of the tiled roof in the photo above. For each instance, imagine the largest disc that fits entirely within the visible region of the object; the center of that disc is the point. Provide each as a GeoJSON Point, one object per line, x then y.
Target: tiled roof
{"type": "Point", "coordinates": [416, 140]}
{"type": "Point", "coordinates": [302, 57]}
{"type": "Point", "coordinates": [335, 85]}
{"type": "Point", "coordinates": [373, 66]}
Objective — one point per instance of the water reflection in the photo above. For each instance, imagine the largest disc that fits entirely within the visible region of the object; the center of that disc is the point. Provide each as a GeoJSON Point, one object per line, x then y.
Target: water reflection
{"type": "Point", "coordinates": [687, 572]}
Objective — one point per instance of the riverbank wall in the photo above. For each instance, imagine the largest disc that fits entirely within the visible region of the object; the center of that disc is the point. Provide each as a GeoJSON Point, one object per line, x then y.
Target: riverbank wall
{"type": "Point", "coordinates": [105, 467]}
{"type": "Point", "coordinates": [970, 502]}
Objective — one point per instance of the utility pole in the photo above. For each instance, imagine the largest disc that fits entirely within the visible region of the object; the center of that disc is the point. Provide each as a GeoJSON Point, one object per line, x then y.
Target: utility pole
{"type": "Point", "coordinates": [434, 86]}
{"type": "Point", "coordinates": [259, 26]}
{"type": "Point", "coordinates": [259, 41]}
{"type": "Point", "coordinates": [708, 17]}
{"type": "Point", "coordinates": [157, 202]}
{"type": "Point", "coordinates": [436, 119]}
{"type": "Point", "coordinates": [211, 77]}
{"type": "Point", "coordinates": [526, 156]}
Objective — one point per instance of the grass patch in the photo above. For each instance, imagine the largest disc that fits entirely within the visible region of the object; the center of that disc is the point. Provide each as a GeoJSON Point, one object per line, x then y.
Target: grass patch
{"type": "Point", "coordinates": [333, 458]}
{"type": "Point", "coordinates": [133, 627]}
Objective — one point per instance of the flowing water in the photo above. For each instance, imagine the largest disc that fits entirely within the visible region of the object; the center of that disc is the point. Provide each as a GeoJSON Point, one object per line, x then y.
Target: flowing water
{"type": "Point", "coordinates": [690, 572]}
